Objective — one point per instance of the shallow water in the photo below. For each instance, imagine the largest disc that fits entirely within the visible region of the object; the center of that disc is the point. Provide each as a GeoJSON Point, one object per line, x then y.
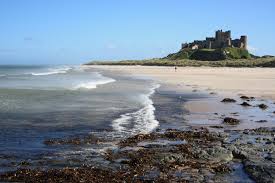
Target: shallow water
{"type": "Point", "coordinates": [45, 102]}
{"type": "Point", "coordinates": [42, 103]}
{"type": "Point", "coordinates": [211, 111]}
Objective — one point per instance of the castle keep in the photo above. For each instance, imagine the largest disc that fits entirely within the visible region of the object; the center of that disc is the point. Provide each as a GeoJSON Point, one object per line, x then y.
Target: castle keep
{"type": "Point", "coordinates": [221, 40]}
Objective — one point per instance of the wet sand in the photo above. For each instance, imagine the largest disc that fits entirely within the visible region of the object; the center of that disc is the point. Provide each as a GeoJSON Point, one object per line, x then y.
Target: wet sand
{"type": "Point", "coordinates": [216, 84]}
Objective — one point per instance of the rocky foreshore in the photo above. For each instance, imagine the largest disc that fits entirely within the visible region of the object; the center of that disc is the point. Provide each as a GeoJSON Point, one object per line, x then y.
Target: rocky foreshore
{"type": "Point", "coordinates": [193, 155]}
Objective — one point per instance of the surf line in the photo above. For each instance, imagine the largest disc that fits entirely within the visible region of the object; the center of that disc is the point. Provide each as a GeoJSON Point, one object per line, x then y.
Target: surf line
{"type": "Point", "coordinates": [143, 120]}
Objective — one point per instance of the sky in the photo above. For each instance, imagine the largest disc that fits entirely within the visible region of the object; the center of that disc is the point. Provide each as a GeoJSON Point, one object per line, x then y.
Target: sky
{"type": "Point", "coordinates": [78, 31]}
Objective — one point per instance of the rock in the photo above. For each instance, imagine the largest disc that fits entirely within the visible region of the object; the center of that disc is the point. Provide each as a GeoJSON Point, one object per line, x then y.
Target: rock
{"type": "Point", "coordinates": [261, 121]}
{"type": "Point", "coordinates": [228, 100]}
{"type": "Point", "coordinates": [245, 104]}
{"type": "Point", "coordinates": [219, 154]}
{"type": "Point", "coordinates": [216, 126]}
{"type": "Point", "coordinates": [270, 157]}
{"type": "Point", "coordinates": [231, 121]}
{"type": "Point", "coordinates": [25, 163]}
{"type": "Point", "coordinates": [70, 175]}
{"type": "Point", "coordinates": [50, 142]}
{"type": "Point", "coordinates": [238, 154]}
{"type": "Point", "coordinates": [263, 106]}
{"type": "Point", "coordinates": [205, 156]}
{"type": "Point", "coordinates": [261, 171]}
{"type": "Point", "coordinates": [264, 130]}
{"type": "Point", "coordinates": [89, 139]}
{"type": "Point", "coordinates": [172, 158]}
{"type": "Point", "coordinates": [134, 140]}
{"type": "Point", "coordinates": [245, 97]}
{"type": "Point", "coordinates": [222, 169]}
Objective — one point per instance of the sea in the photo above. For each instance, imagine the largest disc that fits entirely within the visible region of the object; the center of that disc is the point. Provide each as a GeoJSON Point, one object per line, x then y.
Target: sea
{"type": "Point", "coordinates": [38, 103]}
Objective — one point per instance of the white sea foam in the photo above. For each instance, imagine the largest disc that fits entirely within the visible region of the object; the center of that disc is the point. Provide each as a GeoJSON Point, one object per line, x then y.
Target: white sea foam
{"type": "Point", "coordinates": [93, 84]}
{"type": "Point", "coordinates": [61, 70]}
{"type": "Point", "coordinates": [141, 121]}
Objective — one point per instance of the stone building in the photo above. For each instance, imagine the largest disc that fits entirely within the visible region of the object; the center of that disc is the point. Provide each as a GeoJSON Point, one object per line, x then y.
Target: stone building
{"type": "Point", "coordinates": [221, 40]}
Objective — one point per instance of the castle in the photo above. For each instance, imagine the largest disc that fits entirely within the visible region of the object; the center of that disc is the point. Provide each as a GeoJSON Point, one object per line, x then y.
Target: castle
{"type": "Point", "coordinates": [221, 40]}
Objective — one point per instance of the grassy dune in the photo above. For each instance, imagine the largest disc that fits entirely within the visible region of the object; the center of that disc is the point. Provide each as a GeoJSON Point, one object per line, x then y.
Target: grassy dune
{"type": "Point", "coordinates": [210, 54]}
{"type": "Point", "coordinates": [259, 62]}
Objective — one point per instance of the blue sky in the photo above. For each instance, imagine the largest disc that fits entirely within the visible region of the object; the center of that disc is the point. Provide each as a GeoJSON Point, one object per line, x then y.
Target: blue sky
{"type": "Point", "coordinates": [76, 31]}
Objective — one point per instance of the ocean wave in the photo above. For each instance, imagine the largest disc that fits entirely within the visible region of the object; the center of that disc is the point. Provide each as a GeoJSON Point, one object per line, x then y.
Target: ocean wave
{"type": "Point", "coordinates": [93, 84]}
{"type": "Point", "coordinates": [2, 75]}
{"type": "Point", "coordinates": [62, 70]}
{"type": "Point", "coordinates": [141, 121]}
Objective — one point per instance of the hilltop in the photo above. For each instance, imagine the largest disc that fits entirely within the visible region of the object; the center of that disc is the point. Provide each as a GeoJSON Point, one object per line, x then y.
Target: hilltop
{"type": "Point", "coordinates": [220, 47]}
{"type": "Point", "coordinates": [218, 51]}
{"type": "Point", "coordinates": [210, 54]}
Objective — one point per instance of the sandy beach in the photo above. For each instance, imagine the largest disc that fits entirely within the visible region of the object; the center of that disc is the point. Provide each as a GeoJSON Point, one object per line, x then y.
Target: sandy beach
{"type": "Point", "coordinates": [259, 82]}
{"type": "Point", "coordinates": [217, 84]}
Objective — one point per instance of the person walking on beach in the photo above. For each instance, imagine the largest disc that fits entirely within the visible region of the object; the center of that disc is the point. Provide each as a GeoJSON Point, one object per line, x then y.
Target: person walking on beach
{"type": "Point", "coordinates": [176, 68]}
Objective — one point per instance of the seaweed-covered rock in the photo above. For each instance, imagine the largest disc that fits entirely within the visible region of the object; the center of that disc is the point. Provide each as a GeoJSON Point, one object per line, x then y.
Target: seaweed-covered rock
{"type": "Point", "coordinates": [262, 171]}
{"type": "Point", "coordinates": [81, 140]}
{"type": "Point", "coordinates": [239, 154]}
{"type": "Point", "coordinates": [219, 154]}
{"type": "Point", "coordinates": [228, 100]}
{"type": "Point", "coordinates": [245, 97]}
{"type": "Point", "coordinates": [245, 104]}
{"type": "Point", "coordinates": [231, 121]}
{"type": "Point", "coordinates": [205, 156]}
{"type": "Point", "coordinates": [171, 158]}
{"type": "Point", "coordinates": [262, 121]}
{"type": "Point", "coordinates": [263, 106]}
{"type": "Point", "coordinates": [69, 175]}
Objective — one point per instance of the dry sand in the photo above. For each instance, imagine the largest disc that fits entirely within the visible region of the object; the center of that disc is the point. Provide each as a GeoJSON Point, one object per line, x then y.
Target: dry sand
{"type": "Point", "coordinates": [259, 82]}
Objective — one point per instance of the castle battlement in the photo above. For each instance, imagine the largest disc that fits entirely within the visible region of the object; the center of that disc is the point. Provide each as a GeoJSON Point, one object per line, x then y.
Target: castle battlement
{"type": "Point", "coordinates": [221, 40]}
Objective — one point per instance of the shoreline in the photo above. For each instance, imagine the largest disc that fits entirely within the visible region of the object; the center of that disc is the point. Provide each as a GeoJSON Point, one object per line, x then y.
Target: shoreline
{"type": "Point", "coordinates": [258, 82]}
{"type": "Point", "coordinates": [208, 148]}
{"type": "Point", "coordinates": [209, 82]}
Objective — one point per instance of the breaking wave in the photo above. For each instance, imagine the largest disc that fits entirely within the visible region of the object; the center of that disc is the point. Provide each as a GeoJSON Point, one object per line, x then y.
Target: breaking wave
{"type": "Point", "coordinates": [141, 121]}
{"type": "Point", "coordinates": [93, 84]}
{"type": "Point", "coordinates": [51, 71]}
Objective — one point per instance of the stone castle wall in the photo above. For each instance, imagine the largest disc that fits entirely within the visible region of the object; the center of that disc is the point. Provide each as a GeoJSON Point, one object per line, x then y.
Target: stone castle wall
{"type": "Point", "coordinates": [221, 40]}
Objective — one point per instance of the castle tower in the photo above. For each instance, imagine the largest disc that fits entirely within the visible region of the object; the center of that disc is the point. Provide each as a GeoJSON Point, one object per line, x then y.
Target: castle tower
{"type": "Point", "coordinates": [243, 42]}
{"type": "Point", "coordinates": [229, 34]}
{"type": "Point", "coordinates": [218, 35]}
{"type": "Point", "coordinates": [228, 38]}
